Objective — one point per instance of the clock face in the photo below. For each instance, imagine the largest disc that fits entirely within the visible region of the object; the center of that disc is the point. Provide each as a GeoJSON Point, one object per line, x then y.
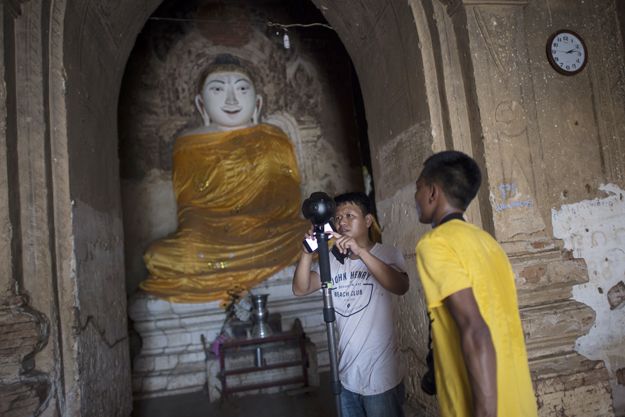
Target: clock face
{"type": "Point", "coordinates": [566, 52]}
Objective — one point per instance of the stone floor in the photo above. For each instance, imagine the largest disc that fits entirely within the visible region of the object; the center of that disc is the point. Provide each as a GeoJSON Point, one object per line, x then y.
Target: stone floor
{"type": "Point", "coordinates": [319, 402]}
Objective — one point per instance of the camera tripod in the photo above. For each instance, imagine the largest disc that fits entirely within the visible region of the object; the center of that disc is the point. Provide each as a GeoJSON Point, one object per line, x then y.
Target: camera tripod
{"type": "Point", "coordinates": [319, 209]}
{"type": "Point", "coordinates": [328, 315]}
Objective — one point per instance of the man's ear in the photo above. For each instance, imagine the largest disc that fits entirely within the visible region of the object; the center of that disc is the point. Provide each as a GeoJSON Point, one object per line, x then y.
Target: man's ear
{"type": "Point", "coordinates": [369, 220]}
{"type": "Point", "coordinates": [435, 193]}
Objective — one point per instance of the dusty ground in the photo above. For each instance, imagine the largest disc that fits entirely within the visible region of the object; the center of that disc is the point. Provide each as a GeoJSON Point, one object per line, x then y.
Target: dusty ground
{"type": "Point", "coordinates": [319, 402]}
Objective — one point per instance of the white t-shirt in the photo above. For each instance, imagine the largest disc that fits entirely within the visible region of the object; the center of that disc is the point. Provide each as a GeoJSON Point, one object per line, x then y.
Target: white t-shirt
{"type": "Point", "coordinates": [365, 315]}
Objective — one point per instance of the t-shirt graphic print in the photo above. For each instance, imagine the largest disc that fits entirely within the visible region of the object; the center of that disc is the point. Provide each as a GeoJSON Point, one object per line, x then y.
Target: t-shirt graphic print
{"type": "Point", "coordinates": [354, 290]}
{"type": "Point", "coordinates": [365, 316]}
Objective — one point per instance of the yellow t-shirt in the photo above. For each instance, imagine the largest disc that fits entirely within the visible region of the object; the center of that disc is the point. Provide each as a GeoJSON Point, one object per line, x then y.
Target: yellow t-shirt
{"type": "Point", "coordinates": [454, 256]}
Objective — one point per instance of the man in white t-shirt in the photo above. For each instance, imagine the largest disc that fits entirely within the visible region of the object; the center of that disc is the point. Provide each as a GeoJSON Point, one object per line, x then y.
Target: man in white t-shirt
{"type": "Point", "coordinates": [365, 290]}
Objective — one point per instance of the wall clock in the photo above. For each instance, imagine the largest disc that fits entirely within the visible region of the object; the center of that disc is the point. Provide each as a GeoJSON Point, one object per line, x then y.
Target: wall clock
{"type": "Point", "coordinates": [566, 52]}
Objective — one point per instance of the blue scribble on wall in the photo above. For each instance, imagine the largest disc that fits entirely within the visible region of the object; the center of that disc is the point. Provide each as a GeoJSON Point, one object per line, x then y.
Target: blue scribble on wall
{"type": "Point", "coordinates": [527, 203]}
{"type": "Point", "coordinates": [508, 187]}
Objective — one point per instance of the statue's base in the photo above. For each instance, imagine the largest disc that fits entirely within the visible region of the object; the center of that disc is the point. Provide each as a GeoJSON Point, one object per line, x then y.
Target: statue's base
{"type": "Point", "coordinates": [173, 359]}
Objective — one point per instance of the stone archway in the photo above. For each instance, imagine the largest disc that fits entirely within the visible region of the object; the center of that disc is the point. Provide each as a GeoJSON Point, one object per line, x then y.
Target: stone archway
{"type": "Point", "coordinates": [95, 41]}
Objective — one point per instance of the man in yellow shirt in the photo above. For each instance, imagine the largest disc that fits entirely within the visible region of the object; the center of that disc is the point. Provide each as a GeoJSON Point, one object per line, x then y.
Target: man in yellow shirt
{"type": "Point", "coordinates": [480, 361]}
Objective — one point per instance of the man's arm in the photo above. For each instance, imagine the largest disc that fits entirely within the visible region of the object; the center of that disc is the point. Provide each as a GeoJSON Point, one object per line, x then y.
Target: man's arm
{"type": "Point", "coordinates": [477, 349]}
{"type": "Point", "coordinates": [389, 278]}
{"type": "Point", "coordinates": [305, 281]}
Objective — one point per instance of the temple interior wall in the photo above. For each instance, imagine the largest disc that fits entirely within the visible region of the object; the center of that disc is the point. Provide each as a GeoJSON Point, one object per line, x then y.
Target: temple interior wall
{"type": "Point", "coordinates": [491, 93]}
{"type": "Point", "coordinates": [467, 75]}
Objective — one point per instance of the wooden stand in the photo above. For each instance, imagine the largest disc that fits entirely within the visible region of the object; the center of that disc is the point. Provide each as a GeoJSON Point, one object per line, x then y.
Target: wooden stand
{"type": "Point", "coordinates": [267, 342]}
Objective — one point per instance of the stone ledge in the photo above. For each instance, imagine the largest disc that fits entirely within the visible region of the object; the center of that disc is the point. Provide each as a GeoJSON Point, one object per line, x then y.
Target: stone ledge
{"type": "Point", "coordinates": [542, 248]}
{"type": "Point", "coordinates": [553, 328]}
{"type": "Point", "coordinates": [22, 332]}
{"type": "Point", "coordinates": [570, 384]}
{"type": "Point", "coordinates": [555, 277]}
{"type": "Point", "coordinates": [23, 398]}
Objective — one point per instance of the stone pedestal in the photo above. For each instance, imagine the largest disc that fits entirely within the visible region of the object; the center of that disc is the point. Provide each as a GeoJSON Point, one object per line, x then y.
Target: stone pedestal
{"type": "Point", "coordinates": [172, 358]}
{"type": "Point", "coordinates": [273, 353]}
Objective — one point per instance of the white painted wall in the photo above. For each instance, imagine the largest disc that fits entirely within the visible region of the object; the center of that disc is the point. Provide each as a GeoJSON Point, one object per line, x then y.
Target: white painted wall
{"type": "Point", "coordinates": [595, 231]}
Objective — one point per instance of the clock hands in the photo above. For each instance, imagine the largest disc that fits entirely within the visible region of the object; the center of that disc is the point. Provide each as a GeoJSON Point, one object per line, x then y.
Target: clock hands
{"type": "Point", "coordinates": [566, 52]}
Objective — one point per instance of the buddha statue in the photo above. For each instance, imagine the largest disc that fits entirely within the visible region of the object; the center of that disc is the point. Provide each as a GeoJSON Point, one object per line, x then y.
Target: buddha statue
{"type": "Point", "coordinates": [236, 184]}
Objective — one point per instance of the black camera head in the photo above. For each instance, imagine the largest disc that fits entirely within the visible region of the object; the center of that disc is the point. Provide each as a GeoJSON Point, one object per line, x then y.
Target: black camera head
{"type": "Point", "coordinates": [319, 208]}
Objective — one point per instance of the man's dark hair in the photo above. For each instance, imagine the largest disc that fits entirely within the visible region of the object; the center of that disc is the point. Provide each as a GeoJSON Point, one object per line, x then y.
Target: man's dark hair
{"type": "Point", "coordinates": [360, 199]}
{"type": "Point", "coordinates": [456, 173]}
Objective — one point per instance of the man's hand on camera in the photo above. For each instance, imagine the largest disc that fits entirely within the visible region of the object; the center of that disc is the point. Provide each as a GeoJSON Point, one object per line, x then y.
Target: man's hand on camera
{"type": "Point", "coordinates": [310, 234]}
{"type": "Point", "coordinates": [343, 243]}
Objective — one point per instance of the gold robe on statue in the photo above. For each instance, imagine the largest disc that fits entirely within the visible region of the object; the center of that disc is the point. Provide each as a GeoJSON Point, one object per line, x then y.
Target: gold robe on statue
{"type": "Point", "coordinates": [238, 215]}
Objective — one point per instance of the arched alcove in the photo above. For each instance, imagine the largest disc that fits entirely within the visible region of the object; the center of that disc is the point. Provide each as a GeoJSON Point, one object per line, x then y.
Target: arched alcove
{"type": "Point", "coordinates": [96, 39]}
{"type": "Point", "coordinates": [307, 90]}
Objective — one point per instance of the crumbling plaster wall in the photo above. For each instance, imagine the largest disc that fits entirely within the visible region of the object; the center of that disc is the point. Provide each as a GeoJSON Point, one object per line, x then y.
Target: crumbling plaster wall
{"type": "Point", "coordinates": [594, 230]}
{"type": "Point", "coordinates": [554, 140]}
{"type": "Point", "coordinates": [97, 39]}
{"type": "Point", "coordinates": [547, 139]}
{"type": "Point", "coordinates": [488, 90]}
{"type": "Point", "coordinates": [28, 306]}
{"type": "Point", "coordinates": [6, 275]}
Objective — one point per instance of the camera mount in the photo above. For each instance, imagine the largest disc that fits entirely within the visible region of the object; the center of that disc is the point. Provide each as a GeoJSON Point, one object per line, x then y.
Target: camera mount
{"type": "Point", "coordinates": [319, 209]}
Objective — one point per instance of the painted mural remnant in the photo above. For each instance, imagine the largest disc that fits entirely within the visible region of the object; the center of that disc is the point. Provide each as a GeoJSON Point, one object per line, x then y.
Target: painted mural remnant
{"type": "Point", "coordinates": [595, 231]}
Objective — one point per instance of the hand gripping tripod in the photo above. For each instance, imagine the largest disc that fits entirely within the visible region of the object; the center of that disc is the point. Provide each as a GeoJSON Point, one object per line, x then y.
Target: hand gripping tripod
{"type": "Point", "coordinates": [320, 209]}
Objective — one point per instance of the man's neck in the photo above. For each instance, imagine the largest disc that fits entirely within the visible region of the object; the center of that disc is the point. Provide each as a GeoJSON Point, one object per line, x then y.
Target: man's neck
{"type": "Point", "coordinates": [438, 218]}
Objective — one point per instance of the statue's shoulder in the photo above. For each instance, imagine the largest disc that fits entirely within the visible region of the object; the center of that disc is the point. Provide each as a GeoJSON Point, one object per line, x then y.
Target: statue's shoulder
{"type": "Point", "coordinates": [197, 137]}
{"type": "Point", "coordinates": [272, 128]}
{"type": "Point", "coordinates": [206, 137]}
{"type": "Point", "coordinates": [202, 130]}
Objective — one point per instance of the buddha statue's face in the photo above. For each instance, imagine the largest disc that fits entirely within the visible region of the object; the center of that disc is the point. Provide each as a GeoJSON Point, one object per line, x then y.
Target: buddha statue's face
{"type": "Point", "coordinates": [228, 101]}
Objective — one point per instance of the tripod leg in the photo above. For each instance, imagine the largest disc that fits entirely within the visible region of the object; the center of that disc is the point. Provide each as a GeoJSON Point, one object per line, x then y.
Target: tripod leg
{"type": "Point", "coordinates": [329, 317]}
